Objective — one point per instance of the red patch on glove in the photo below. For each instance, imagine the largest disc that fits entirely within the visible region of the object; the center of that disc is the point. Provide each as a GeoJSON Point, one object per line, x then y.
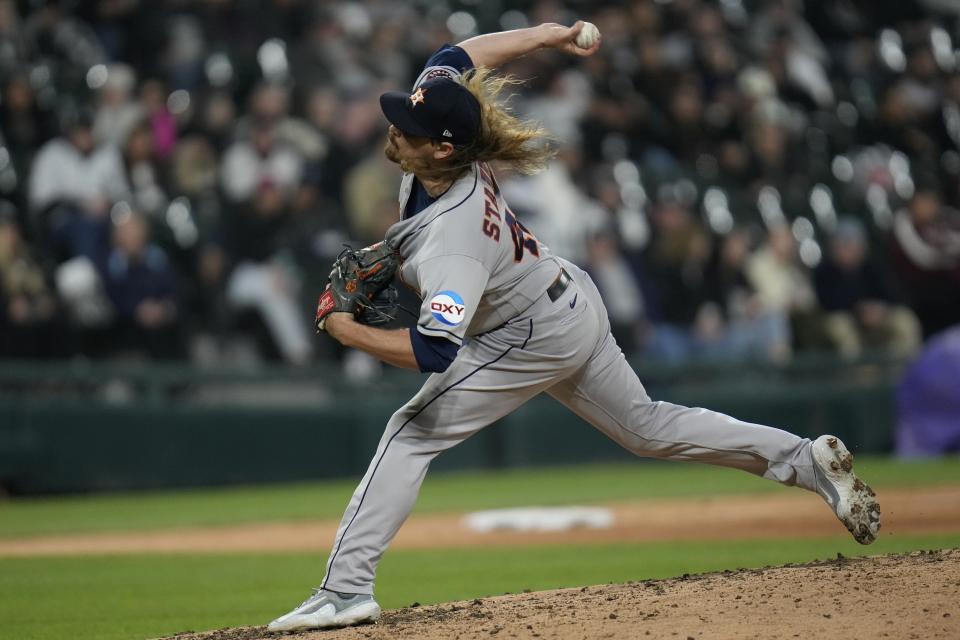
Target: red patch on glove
{"type": "Point", "coordinates": [325, 304]}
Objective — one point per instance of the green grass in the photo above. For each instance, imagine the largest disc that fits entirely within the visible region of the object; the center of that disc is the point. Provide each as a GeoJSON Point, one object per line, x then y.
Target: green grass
{"type": "Point", "coordinates": [128, 597]}
{"type": "Point", "coordinates": [441, 492]}
{"type": "Point", "coordinates": [139, 596]}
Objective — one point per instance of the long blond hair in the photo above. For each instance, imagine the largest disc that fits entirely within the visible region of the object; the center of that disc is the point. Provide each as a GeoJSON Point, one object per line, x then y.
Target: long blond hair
{"type": "Point", "coordinates": [522, 145]}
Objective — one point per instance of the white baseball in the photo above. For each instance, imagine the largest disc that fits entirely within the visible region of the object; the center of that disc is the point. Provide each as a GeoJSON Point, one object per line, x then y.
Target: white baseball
{"type": "Point", "coordinates": [588, 35]}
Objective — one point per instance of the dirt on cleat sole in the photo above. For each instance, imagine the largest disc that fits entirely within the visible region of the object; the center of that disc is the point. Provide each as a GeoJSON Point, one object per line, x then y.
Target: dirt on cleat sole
{"type": "Point", "coordinates": [857, 507]}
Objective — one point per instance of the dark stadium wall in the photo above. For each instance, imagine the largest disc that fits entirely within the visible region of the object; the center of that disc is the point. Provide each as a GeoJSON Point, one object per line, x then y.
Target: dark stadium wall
{"type": "Point", "coordinates": [79, 446]}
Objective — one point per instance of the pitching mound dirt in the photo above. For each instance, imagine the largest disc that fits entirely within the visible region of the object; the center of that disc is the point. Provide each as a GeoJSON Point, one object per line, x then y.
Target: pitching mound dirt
{"type": "Point", "coordinates": [914, 595]}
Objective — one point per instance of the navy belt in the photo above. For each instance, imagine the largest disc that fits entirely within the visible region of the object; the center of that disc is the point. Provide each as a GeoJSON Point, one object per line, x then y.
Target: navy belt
{"type": "Point", "coordinates": [555, 290]}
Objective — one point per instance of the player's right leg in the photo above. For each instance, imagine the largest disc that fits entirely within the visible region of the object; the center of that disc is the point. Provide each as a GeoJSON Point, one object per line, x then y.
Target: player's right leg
{"type": "Point", "coordinates": [492, 375]}
{"type": "Point", "coordinates": [607, 393]}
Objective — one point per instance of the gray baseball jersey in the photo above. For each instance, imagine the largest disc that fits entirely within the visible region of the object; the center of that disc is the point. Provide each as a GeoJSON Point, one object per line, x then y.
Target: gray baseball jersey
{"type": "Point", "coordinates": [528, 322]}
{"type": "Point", "coordinates": [469, 259]}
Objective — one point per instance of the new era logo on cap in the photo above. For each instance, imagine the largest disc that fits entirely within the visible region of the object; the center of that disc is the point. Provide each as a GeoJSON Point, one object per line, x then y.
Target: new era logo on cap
{"type": "Point", "coordinates": [440, 108]}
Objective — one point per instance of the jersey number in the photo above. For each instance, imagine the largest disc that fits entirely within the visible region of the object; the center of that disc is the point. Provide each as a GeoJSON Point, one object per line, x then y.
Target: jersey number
{"type": "Point", "coordinates": [522, 238]}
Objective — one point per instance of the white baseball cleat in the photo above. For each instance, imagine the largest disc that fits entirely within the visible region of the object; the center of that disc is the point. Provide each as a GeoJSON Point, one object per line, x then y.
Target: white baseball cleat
{"type": "Point", "coordinates": [851, 499]}
{"type": "Point", "coordinates": [326, 609]}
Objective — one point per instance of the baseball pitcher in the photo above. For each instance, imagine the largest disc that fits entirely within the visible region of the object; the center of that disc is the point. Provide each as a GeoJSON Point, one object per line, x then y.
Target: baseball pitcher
{"type": "Point", "coordinates": [503, 319]}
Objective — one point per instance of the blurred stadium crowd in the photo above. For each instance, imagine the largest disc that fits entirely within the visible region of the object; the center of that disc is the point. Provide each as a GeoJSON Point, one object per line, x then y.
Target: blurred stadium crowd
{"type": "Point", "coordinates": [743, 178]}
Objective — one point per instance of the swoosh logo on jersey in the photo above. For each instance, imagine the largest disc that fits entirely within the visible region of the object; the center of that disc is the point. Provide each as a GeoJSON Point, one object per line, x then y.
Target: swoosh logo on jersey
{"type": "Point", "coordinates": [574, 301]}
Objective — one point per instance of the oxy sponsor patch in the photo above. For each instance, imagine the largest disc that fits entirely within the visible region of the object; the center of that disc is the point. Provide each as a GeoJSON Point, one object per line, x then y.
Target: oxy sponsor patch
{"type": "Point", "coordinates": [448, 308]}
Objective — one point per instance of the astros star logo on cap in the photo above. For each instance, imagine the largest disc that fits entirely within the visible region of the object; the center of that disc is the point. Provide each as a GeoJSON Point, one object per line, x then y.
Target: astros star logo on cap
{"type": "Point", "coordinates": [417, 97]}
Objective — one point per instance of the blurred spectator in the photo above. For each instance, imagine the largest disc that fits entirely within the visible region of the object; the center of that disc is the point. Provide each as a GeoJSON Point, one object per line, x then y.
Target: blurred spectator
{"type": "Point", "coordinates": [620, 290]}
{"type": "Point", "coordinates": [270, 108]}
{"type": "Point", "coordinates": [901, 123]}
{"type": "Point", "coordinates": [194, 167]}
{"type": "Point", "coordinates": [141, 284]}
{"type": "Point", "coordinates": [770, 160]}
{"type": "Point", "coordinates": [678, 258]}
{"type": "Point", "coordinates": [926, 256]}
{"type": "Point", "coordinates": [217, 118]}
{"type": "Point", "coordinates": [13, 48]}
{"type": "Point", "coordinates": [744, 328]}
{"type": "Point", "coordinates": [370, 190]}
{"type": "Point", "coordinates": [555, 208]}
{"type": "Point", "coordinates": [783, 285]}
{"type": "Point", "coordinates": [921, 83]}
{"type": "Point", "coordinates": [28, 323]}
{"type": "Point", "coordinates": [113, 22]}
{"type": "Point", "coordinates": [323, 108]}
{"type": "Point", "coordinates": [24, 126]}
{"type": "Point", "coordinates": [68, 46]}
{"type": "Point", "coordinates": [117, 112]}
{"type": "Point", "coordinates": [153, 97]}
{"type": "Point", "coordinates": [325, 54]}
{"type": "Point", "coordinates": [210, 317]}
{"type": "Point", "coordinates": [249, 163]}
{"type": "Point", "coordinates": [182, 59]}
{"type": "Point", "coordinates": [264, 278]}
{"type": "Point", "coordinates": [795, 54]}
{"type": "Point", "coordinates": [386, 39]}
{"type": "Point", "coordinates": [858, 301]}
{"type": "Point", "coordinates": [563, 105]}
{"type": "Point", "coordinates": [144, 174]}
{"type": "Point", "coordinates": [688, 136]}
{"type": "Point", "coordinates": [355, 127]}
{"type": "Point", "coordinates": [306, 146]}
{"type": "Point", "coordinates": [72, 186]}
{"type": "Point", "coordinates": [85, 303]}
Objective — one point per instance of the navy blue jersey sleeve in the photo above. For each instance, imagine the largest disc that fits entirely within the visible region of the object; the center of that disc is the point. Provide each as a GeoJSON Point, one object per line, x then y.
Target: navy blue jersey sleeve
{"type": "Point", "coordinates": [432, 353]}
{"type": "Point", "coordinates": [447, 61]}
{"type": "Point", "coordinates": [450, 55]}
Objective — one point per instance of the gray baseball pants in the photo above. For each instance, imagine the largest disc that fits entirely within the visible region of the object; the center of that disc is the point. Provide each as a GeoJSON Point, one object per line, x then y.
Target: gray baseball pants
{"type": "Point", "coordinates": [569, 353]}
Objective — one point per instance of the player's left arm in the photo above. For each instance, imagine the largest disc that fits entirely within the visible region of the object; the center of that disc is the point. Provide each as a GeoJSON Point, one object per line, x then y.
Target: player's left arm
{"type": "Point", "coordinates": [392, 346]}
{"type": "Point", "coordinates": [492, 50]}
{"type": "Point", "coordinates": [454, 284]}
